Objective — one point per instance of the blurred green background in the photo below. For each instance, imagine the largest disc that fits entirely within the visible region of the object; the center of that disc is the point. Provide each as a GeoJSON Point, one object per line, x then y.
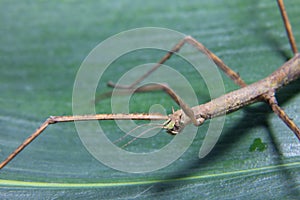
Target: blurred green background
{"type": "Point", "coordinates": [42, 46]}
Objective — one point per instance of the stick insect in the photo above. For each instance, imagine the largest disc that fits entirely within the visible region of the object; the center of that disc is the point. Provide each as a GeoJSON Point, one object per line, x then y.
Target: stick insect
{"type": "Point", "coordinates": [263, 90]}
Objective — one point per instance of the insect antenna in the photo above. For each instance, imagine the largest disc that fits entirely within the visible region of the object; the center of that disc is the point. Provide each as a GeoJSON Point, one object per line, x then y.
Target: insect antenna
{"type": "Point", "coordinates": [157, 125]}
{"type": "Point", "coordinates": [141, 134]}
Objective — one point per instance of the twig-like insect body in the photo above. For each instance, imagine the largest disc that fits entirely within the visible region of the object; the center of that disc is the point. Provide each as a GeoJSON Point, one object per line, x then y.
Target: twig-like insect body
{"type": "Point", "coordinates": [263, 90]}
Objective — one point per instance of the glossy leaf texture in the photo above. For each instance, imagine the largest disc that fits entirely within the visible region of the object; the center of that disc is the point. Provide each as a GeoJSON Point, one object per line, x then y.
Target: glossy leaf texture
{"type": "Point", "coordinates": [43, 44]}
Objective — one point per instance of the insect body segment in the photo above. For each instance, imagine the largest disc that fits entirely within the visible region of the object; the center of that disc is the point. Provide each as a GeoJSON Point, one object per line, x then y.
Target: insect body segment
{"type": "Point", "coordinates": [178, 120]}
{"type": "Point", "coordinates": [174, 124]}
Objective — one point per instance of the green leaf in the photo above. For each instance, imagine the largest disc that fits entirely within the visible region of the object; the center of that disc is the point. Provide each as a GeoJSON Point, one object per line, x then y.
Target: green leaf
{"type": "Point", "coordinates": [43, 44]}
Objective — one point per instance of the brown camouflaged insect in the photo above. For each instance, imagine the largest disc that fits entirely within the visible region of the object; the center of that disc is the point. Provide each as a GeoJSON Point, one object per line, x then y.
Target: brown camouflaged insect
{"type": "Point", "coordinates": [263, 90]}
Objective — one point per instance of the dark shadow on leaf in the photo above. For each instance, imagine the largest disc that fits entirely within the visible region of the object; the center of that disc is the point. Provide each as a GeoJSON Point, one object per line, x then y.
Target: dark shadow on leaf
{"type": "Point", "coordinates": [253, 117]}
